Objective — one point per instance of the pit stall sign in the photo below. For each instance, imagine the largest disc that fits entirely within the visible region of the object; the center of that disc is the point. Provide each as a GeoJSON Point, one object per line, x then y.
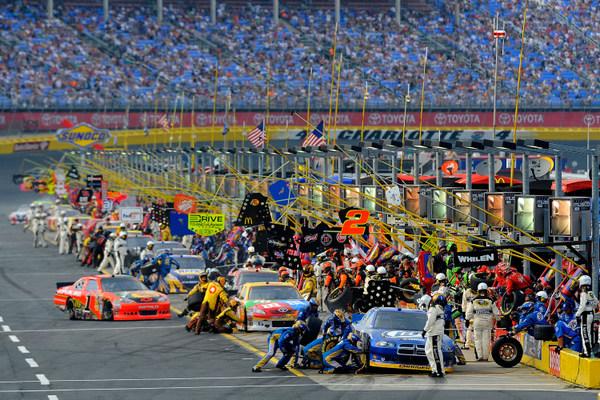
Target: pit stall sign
{"type": "Point", "coordinates": [206, 224]}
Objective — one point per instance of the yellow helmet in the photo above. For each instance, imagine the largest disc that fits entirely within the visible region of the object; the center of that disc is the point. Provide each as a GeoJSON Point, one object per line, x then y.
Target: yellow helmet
{"type": "Point", "coordinates": [233, 303]}
{"type": "Point", "coordinates": [221, 281]}
{"type": "Point", "coordinates": [301, 326]}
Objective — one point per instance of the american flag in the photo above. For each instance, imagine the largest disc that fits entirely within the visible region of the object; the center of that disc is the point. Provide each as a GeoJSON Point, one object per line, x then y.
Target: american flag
{"type": "Point", "coordinates": [315, 139]}
{"type": "Point", "coordinates": [257, 135]}
{"type": "Point", "coordinates": [164, 122]}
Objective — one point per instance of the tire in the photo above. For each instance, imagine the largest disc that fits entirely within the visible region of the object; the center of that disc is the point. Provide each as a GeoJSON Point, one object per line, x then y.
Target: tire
{"type": "Point", "coordinates": [543, 332]}
{"type": "Point", "coordinates": [71, 310]}
{"type": "Point", "coordinates": [314, 327]}
{"type": "Point", "coordinates": [195, 301]}
{"type": "Point", "coordinates": [245, 320]}
{"type": "Point", "coordinates": [107, 312]}
{"type": "Point", "coordinates": [338, 299]}
{"type": "Point", "coordinates": [507, 352]}
{"type": "Point", "coordinates": [504, 323]}
{"type": "Point", "coordinates": [407, 296]}
{"type": "Point", "coordinates": [360, 306]}
{"type": "Point", "coordinates": [510, 302]}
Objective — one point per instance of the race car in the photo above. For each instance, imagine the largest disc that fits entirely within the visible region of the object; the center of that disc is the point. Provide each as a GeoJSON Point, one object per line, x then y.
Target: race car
{"type": "Point", "coordinates": [188, 273]}
{"type": "Point", "coordinates": [105, 297]}
{"type": "Point", "coordinates": [392, 339]}
{"type": "Point", "coordinates": [20, 215]}
{"type": "Point", "coordinates": [243, 276]}
{"type": "Point", "coordinates": [265, 306]}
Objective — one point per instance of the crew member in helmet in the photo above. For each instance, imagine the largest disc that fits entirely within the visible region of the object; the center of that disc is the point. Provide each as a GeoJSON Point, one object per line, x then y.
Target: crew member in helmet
{"type": "Point", "coordinates": [284, 275]}
{"type": "Point", "coordinates": [311, 311]}
{"type": "Point", "coordinates": [343, 276]}
{"type": "Point", "coordinates": [371, 274]}
{"type": "Point", "coordinates": [528, 318]}
{"type": "Point", "coordinates": [482, 312]}
{"type": "Point", "coordinates": [309, 285]}
{"type": "Point", "coordinates": [434, 332]}
{"type": "Point", "coordinates": [200, 287]}
{"type": "Point", "coordinates": [541, 302]}
{"type": "Point", "coordinates": [227, 317]}
{"type": "Point", "coordinates": [423, 302]}
{"type": "Point", "coordinates": [585, 313]}
{"type": "Point", "coordinates": [442, 284]}
{"type": "Point", "coordinates": [566, 329]}
{"type": "Point", "coordinates": [337, 358]}
{"type": "Point", "coordinates": [287, 340]}
{"type": "Point", "coordinates": [148, 253]}
{"type": "Point", "coordinates": [120, 252]}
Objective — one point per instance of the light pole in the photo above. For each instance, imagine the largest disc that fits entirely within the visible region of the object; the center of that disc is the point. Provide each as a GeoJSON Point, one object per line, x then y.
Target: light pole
{"type": "Point", "coordinates": [498, 34]}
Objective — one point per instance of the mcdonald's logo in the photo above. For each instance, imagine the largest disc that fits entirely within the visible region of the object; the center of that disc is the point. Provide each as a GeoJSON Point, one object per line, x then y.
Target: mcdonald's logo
{"type": "Point", "coordinates": [499, 179]}
{"type": "Point", "coordinates": [248, 221]}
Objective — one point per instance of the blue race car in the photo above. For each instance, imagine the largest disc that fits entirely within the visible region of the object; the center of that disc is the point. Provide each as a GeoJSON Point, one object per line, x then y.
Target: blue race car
{"type": "Point", "coordinates": [188, 274]}
{"type": "Point", "coordinates": [392, 339]}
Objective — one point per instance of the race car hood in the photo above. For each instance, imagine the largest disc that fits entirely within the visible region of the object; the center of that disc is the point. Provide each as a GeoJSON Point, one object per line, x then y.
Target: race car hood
{"type": "Point", "coordinates": [398, 337]}
{"type": "Point", "coordinates": [277, 307]}
{"type": "Point", "coordinates": [187, 273]}
{"type": "Point", "coordinates": [140, 296]}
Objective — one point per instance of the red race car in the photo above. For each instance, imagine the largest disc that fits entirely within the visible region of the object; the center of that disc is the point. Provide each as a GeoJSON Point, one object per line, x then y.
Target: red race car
{"type": "Point", "coordinates": [106, 297]}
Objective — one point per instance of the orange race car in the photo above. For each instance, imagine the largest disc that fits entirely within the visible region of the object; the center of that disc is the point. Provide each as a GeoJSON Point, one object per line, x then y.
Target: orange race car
{"type": "Point", "coordinates": [106, 297]}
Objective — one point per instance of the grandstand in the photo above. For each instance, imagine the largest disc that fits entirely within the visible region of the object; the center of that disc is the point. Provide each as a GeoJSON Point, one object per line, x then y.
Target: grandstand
{"type": "Point", "coordinates": [142, 58]}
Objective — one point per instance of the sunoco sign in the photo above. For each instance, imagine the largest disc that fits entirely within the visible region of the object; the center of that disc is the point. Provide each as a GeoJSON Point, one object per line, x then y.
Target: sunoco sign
{"type": "Point", "coordinates": [83, 135]}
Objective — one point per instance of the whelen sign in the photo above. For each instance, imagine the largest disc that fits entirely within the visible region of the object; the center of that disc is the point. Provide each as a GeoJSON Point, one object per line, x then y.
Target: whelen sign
{"type": "Point", "coordinates": [476, 258]}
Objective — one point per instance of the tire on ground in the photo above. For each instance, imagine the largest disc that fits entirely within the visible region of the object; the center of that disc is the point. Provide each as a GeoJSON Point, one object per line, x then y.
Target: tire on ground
{"type": "Point", "coordinates": [543, 332]}
{"type": "Point", "coordinates": [314, 327]}
{"type": "Point", "coordinates": [507, 352]}
{"type": "Point", "coordinates": [338, 298]}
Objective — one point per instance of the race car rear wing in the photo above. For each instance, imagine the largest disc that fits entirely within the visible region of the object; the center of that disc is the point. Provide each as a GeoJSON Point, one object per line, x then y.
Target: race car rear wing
{"type": "Point", "coordinates": [62, 284]}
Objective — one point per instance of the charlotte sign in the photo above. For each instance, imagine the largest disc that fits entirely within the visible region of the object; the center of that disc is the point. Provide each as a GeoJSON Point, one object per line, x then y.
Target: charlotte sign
{"type": "Point", "coordinates": [476, 258]}
{"type": "Point", "coordinates": [83, 135]}
{"type": "Point", "coordinates": [206, 224]}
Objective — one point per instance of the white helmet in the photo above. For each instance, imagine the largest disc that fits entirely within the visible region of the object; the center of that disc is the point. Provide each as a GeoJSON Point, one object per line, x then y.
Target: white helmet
{"type": "Point", "coordinates": [122, 225]}
{"type": "Point", "coordinates": [482, 286]}
{"type": "Point", "coordinates": [251, 249]}
{"type": "Point", "coordinates": [354, 260]}
{"type": "Point", "coordinates": [381, 270]}
{"type": "Point", "coordinates": [423, 302]}
{"type": "Point", "coordinates": [440, 277]}
{"type": "Point", "coordinates": [63, 213]}
{"type": "Point", "coordinates": [150, 243]}
{"type": "Point", "coordinates": [123, 234]}
{"type": "Point", "coordinates": [542, 294]}
{"type": "Point", "coordinates": [370, 268]}
{"type": "Point", "coordinates": [112, 235]}
{"type": "Point", "coordinates": [585, 280]}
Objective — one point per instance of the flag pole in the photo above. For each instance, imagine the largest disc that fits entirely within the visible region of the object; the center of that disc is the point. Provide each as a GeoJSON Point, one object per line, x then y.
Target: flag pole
{"type": "Point", "coordinates": [332, 78]}
{"type": "Point", "coordinates": [268, 104]}
{"type": "Point", "coordinates": [308, 101]}
{"type": "Point", "coordinates": [214, 113]}
{"type": "Point", "coordinates": [422, 97]}
{"type": "Point", "coordinates": [337, 100]}
{"type": "Point", "coordinates": [193, 135]}
{"type": "Point", "coordinates": [406, 101]}
{"type": "Point", "coordinates": [362, 122]}
{"type": "Point", "coordinates": [512, 155]}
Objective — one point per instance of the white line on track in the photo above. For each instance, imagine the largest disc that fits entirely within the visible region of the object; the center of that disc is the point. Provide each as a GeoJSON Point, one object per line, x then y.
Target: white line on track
{"type": "Point", "coordinates": [5, 328]}
{"type": "Point", "coordinates": [1, 319]}
{"type": "Point", "coordinates": [43, 380]}
{"type": "Point", "coordinates": [30, 299]}
{"type": "Point", "coordinates": [23, 349]}
{"type": "Point", "coordinates": [13, 338]}
{"type": "Point", "coordinates": [194, 378]}
{"type": "Point", "coordinates": [130, 328]}
{"type": "Point", "coordinates": [31, 362]}
{"type": "Point", "coordinates": [341, 385]}
{"type": "Point", "coordinates": [52, 397]}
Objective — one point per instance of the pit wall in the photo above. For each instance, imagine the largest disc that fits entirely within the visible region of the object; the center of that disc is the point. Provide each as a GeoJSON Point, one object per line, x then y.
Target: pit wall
{"type": "Point", "coordinates": [567, 365]}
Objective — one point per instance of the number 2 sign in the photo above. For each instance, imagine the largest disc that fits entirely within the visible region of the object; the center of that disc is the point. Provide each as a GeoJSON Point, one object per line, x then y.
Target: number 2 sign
{"type": "Point", "coordinates": [355, 224]}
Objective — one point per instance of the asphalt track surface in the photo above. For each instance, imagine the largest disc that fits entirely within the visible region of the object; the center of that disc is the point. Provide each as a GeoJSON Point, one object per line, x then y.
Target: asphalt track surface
{"type": "Point", "coordinates": [46, 356]}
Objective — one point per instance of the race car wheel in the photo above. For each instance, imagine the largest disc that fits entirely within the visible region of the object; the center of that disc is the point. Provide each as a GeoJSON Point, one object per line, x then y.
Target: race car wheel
{"type": "Point", "coordinates": [510, 302]}
{"type": "Point", "coordinates": [409, 284]}
{"type": "Point", "coordinates": [71, 310]}
{"type": "Point", "coordinates": [507, 352]}
{"type": "Point", "coordinates": [107, 312]}
{"type": "Point", "coordinates": [245, 320]}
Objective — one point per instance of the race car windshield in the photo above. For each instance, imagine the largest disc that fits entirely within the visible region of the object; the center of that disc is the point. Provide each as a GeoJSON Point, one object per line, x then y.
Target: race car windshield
{"type": "Point", "coordinates": [168, 245]}
{"type": "Point", "coordinates": [258, 277]}
{"type": "Point", "coordinates": [274, 293]}
{"type": "Point", "coordinates": [122, 285]}
{"type": "Point", "coordinates": [393, 320]}
{"type": "Point", "coordinates": [189, 262]}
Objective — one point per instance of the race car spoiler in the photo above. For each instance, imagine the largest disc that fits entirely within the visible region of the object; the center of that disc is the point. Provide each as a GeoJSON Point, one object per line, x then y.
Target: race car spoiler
{"type": "Point", "coordinates": [62, 284]}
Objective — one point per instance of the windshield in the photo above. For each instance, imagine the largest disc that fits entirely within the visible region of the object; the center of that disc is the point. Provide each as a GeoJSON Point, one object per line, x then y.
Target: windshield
{"type": "Point", "coordinates": [398, 320]}
{"type": "Point", "coordinates": [168, 245]}
{"type": "Point", "coordinates": [189, 262]}
{"type": "Point", "coordinates": [258, 277]}
{"type": "Point", "coordinates": [122, 284]}
{"type": "Point", "coordinates": [137, 241]}
{"type": "Point", "coordinates": [274, 293]}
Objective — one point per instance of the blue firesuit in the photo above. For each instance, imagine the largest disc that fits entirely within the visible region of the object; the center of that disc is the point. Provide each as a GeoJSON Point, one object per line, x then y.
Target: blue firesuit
{"type": "Point", "coordinates": [528, 321]}
{"type": "Point", "coordinates": [337, 358]}
{"type": "Point", "coordinates": [566, 327]}
{"type": "Point", "coordinates": [165, 263]}
{"type": "Point", "coordinates": [310, 311]}
{"type": "Point", "coordinates": [287, 340]}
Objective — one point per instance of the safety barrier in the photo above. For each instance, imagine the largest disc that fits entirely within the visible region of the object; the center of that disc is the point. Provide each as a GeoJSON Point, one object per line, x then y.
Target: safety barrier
{"type": "Point", "coordinates": [567, 365]}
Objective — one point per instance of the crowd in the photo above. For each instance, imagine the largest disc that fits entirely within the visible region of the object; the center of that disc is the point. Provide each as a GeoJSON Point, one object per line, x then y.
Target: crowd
{"type": "Point", "coordinates": [78, 59]}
